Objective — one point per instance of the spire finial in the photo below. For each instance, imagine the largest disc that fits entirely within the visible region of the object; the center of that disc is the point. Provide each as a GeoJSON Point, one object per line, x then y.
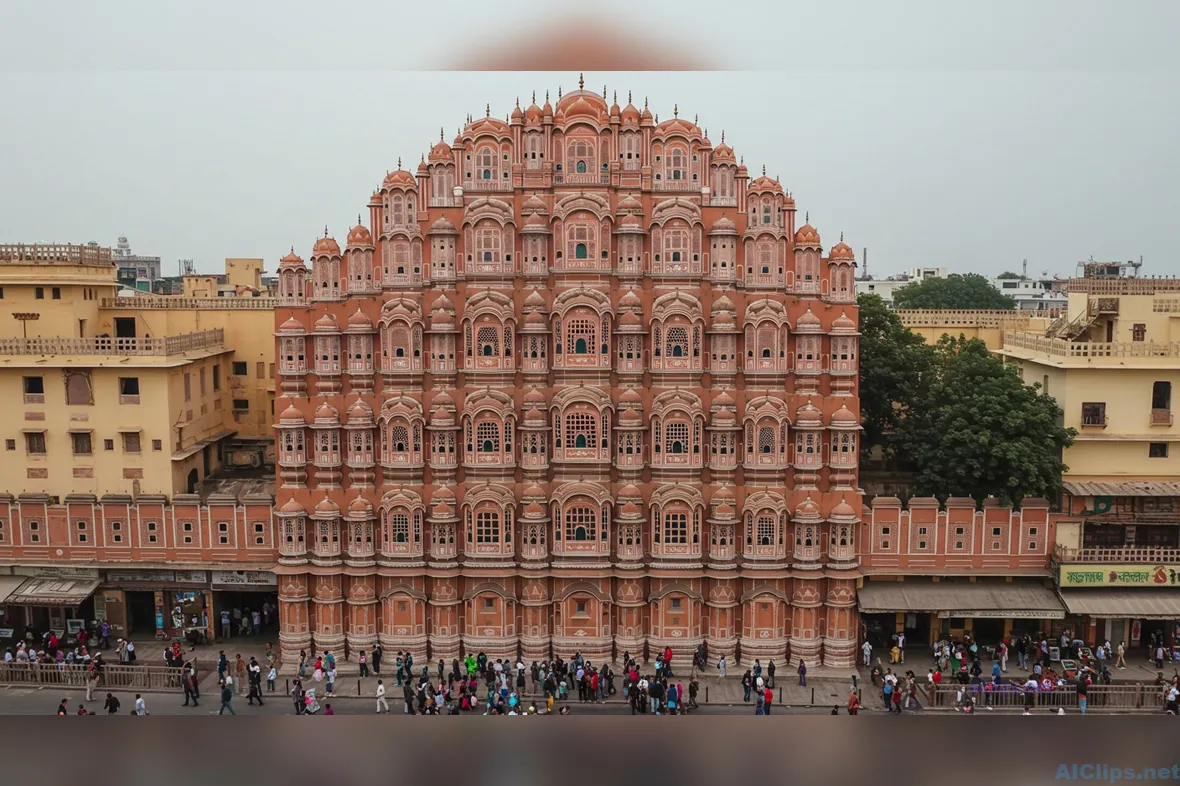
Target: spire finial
{"type": "Point", "coordinates": [440, 134]}
{"type": "Point", "coordinates": [807, 217]}
{"type": "Point", "coordinates": [325, 230]}
{"type": "Point", "coordinates": [723, 136]}
{"type": "Point", "coordinates": [615, 99]}
{"type": "Point", "coordinates": [487, 110]}
{"type": "Point", "coordinates": [764, 170]}
{"type": "Point", "coordinates": [628, 96]}
{"type": "Point", "coordinates": [657, 118]}
{"type": "Point", "coordinates": [581, 82]}
{"type": "Point", "coordinates": [841, 235]}
{"type": "Point", "coordinates": [534, 96]}
{"type": "Point", "coordinates": [518, 102]}
{"type": "Point", "coordinates": [546, 95]}
{"type": "Point", "coordinates": [604, 91]}
{"type": "Point", "coordinates": [292, 248]}
{"type": "Point", "coordinates": [559, 92]}
{"type": "Point", "coordinates": [696, 119]}
{"type": "Point", "coordinates": [358, 219]}
{"type": "Point", "coordinates": [399, 162]}
{"type": "Point", "coordinates": [645, 102]}
{"type": "Point", "coordinates": [743, 161]}
{"type": "Point", "coordinates": [675, 110]}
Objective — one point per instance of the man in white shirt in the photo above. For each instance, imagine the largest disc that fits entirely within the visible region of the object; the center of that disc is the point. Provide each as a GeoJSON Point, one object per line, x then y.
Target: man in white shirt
{"type": "Point", "coordinates": [867, 649]}
{"type": "Point", "coordinates": [381, 702]}
{"type": "Point", "coordinates": [140, 705]}
{"type": "Point", "coordinates": [901, 645]}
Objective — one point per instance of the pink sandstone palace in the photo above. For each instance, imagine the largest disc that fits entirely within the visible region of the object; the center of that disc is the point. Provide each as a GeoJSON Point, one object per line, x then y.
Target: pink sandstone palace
{"type": "Point", "coordinates": [579, 383]}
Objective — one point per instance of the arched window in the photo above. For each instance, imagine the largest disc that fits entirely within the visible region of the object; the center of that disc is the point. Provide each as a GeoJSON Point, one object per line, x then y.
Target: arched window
{"type": "Point", "coordinates": [677, 341]}
{"type": "Point", "coordinates": [676, 437]}
{"type": "Point", "coordinates": [581, 335]}
{"type": "Point", "coordinates": [581, 524]}
{"type": "Point", "coordinates": [487, 526]}
{"type": "Point", "coordinates": [677, 169]}
{"type": "Point", "coordinates": [485, 160]}
{"type": "Point", "coordinates": [399, 439]}
{"type": "Point", "coordinates": [766, 439]}
{"type": "Point", "coordinates": [765, 532]}
{"type": "Point", "coordinates": [580, 157]}
{"type": "Point", "coordinates": [488, 339]}
{"type": "Point", "coordinates": [487, 437]}
{"type": "Point", "coordinates": [399, 528]}
{"type": "Point", "coordinates": [581, 168]}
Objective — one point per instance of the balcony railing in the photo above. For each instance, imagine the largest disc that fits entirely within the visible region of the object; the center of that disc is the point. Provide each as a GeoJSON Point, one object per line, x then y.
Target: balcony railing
{"type": "Point", "coordinates": [1161, 417]}
{"type": "Point", "coordinates": [197, 303]}
{"type": "Point", "coordinates": [488, 185]}
{"type": "Point", "coordinates": [1119, 555]}
{"type": "Point", "coordinates": [1059, 348]}
{"type": "Point", "coordinates": [102, 345]}
{"type": "Point", "coordinates": [55, 252]}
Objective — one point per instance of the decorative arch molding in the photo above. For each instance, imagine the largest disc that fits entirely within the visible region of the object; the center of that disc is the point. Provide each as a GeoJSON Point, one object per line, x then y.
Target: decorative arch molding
{"type": "Point", "coordinates": [583, 587]}
{"type": "Point", "coordinates": [594, 299]}
{"type": "Point", "coordinates": [488, 207]}
{"type": "Point", "coordinates": [581, 394]}
{"type": "Point", "coordinates": [592, 203]}
{"type": "Point", "coordinates": [404, 497]}
{"type": "Point", "coordinates": [409, 407]}
{"type": "Point", "coordinates": [489, 586]}
{"type": "Point", "coordinates": [763, 500]}
{"type": "Point", "coordinates": [489, 302]}
{"type": "Point", "coordinates": [488, 492]}
{"type": "Point", "coordinates": [404, 589]}
{"type": "Point", "coordinates": [677, 207]}
{"type": "Point", "coordinates": [673, 400]}
{"type": "Point", "coordinates": [676, 492]}
{"type": "Point", "coordinates": [489, 399]}
{"type": "Point", "coordinates": [765, 310]}
{"type": "Point", "coordinates": [762, 590]}
{"type": "Point", "coordinates": [676, 587]}
{"type": "Point", "coordinates": [681, 303]}
{"type": "Point", "coordinates": [595, 491]}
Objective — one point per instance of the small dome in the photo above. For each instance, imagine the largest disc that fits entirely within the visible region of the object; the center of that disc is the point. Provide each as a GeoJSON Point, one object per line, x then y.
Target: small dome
{"type": "Point", "coordinates": [292, 508]}
{"type": "Point", "coordinates": [584, 103]}
{"type": "Point", "coordinates": [722, 303]}
{"type": "Point", "coordinates": [630, 417]}
{"type": "Point", "coordinates": [536, 319]}
{"type": "Point", "coordinates": [442, 226]}
{"type": "Point", "coordinates": [723, 493]}
{"type": "Point", "coordinates": [534, 492]}
{"type": "Point", "coordinates": [724, 511]}
{"type": "Point", "coordinates": [534, 396]}
{"type": "Point", "coordinates": [629, 491]}
{"type": "Point", "coordinates": [534, 510]}
{"type": "Point", "coordinates": [535, 416]}
{"type": "Point", "coordinates": [442, 511]}
{"type": "Point", "coordinates": [359, 319]}
{"type": "Point", "coordinates": [291, 260]}
{"type": "Point", "coordinates": [629, 509]}
{"type": "Point", "coordinates": [807, 236]}
{"type": "Point", "coordinates": [629, 113]}
{"type": "Point", "coordinates": [723, 153]}
{"type": "Point", "coordinates": [765, 185]}
{"type": "Point", "coordinates": [629, 202]}
{"type": "Point", "coordinates": [842, 251]}
{"type": "Point", "coordinates": [808, 415]}
{"type": "Point", "coordinates": [326, 324]}
{"type": "Point", "coordinates": [724, 417]}
{"type": "Point", "coordinates": [291, 325]}
{"type": "Point", "coordinates": [361, 506]}
{"type": "Point", "coordinates": [630, 220]}
{"type": "Point", "coordinates": [630, 319]}
{"type": "Point", "coordinates": [399, 178]}
{"type": "Point", "coordinates": [807, 509]}
{"type": "Point", "coordinates": [326, 506]}
{"type": "Point", "coordinates": [723, 399]}
{"type": "Point", "coordinates": [291, 415]}
{"type": "Point", "coordinates": [327, 412]}
{"type": "Point", "coordinates": [630, 300]}
{"type": "Point", "coordinates": [631, 396]}
{"type": "Point", "coordinates": [723, 225]}
{"type": "Point", "coordinates": [326, 246]}
{"type": "Point", "coordinates": [842, 511]}
{"type": "Point", "coordinates": [532, 115]}
{"type": "Point", "coordinates": [443, 303]}
{"type": "Point", "coordinates": [443, 494]}
{"type": "Point", "coordinates": [359, 236]}
{"type": "Point", "coordinates": [535, 300]}
{"type": "Point", "coordinates": [645, 115]}
{"type": "Point", "coordinates": [843, 324]}
{"type": "Point", "coordinates": [423, 169]}
{"type": "Point", "coordinates": [808, 323]}
{"type": "Point", "coordinates": [534, 204]}
{"type": "Point", "coordinates": [442, 399]}
{"type": "Point", "coordinates": [360, 412]}
{"type": "Point", "coordinates": [517, 115]}
{"type": "Point", "coordinates": [844, 417]}
{"type": "Point", "coordinates": [440, 152]}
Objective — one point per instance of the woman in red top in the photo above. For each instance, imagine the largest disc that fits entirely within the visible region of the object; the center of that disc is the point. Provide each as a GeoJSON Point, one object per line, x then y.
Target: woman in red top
{"type": "Point", "coordinates": [853, 703]}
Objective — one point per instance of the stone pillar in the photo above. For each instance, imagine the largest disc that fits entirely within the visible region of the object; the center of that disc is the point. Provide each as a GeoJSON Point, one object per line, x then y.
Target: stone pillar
{"type": "Point", "coordinates": [840, 635]}
{"type": "Point", "coordinates": [444, 618]}
{"type": "Point", "coordinates": [535, 607]}
{"type": "Point", "coordinates": [721, 634]}
{"type": "Point", "coordinates": [806, 607]}
{"type": "Point", "coordinates": [328, 601]}
{"type": "Point", "coordinates": [361, 633]}
{"type": "Point", "coordinates": [294, 631]}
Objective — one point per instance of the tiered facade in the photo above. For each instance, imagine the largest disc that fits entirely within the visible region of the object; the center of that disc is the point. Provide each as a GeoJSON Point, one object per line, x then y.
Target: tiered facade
{"type": "Point", "coordinates": [580, 384]}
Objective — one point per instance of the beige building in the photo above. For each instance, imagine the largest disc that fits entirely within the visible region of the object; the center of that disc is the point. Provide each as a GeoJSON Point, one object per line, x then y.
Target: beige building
{"type": "Point", "coordinates": [125, 395]}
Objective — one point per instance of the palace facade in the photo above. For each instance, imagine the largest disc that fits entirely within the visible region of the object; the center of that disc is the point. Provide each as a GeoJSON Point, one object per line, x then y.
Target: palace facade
{"type": "Point", "coordinates": [579, 383]}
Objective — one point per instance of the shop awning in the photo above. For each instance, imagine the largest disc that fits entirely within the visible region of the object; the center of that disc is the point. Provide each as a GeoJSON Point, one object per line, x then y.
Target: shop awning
{"type": "Point", "coordinates": [1119, 603]}
{"type": "Point", "coordinates": [8, 585]}
{"type": "Point", "coordinates": [979, 601]}
{"type": "Point", "coordinates": [53, 591]}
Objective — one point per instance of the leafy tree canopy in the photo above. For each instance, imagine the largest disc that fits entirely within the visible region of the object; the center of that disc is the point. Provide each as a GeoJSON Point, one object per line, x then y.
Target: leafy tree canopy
{"type": "Point", "coordinates": [976, 430]}
{"type": "Point", "coordinates": [968, 291]}
{"type": "Point", "coordinates": [1009, 274]}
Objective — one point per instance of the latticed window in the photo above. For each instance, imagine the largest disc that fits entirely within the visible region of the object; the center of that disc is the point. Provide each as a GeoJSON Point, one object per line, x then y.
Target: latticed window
{"type": "Point", "coordinates": [677, 342]}
{"type": "Point", "coordinates": [487, 244]}
{"type": "Point", "coordinates": [399, 439]}
{"type": "Point", "coordinates": [399, 528]}
{"type": "Point", "coordinates": [488, 341]}
{"type": "Point", "coordinates": [676, 437]}
{"type": "Point", "coordinates": [765, 532]}
{"type": "Point", "coordinates": [676, 527]}
{"type": "Point", "coordinates": [766, 342]}
{"type": "Point", "coordinates": [487, 527]}
{"type": "Point", "coordinates": [677, 169]}
{"type": "Point", "coordinates": [766, 439]}
{"type": "Point", "coordinates": [580, 157]}
{"type": "Point", "coordinates": [581, 237]}
{"type": "Point", "coordinates": [485, 160]}
{"type": "Point", "coordinates": [487, 437]}
{"type": "Point", "coordinates": [581, 336]}
{"type": "Point", "coordinates": [581, 430]}
{"type": "Point", "coordinates": [581, 523]}
{"type": "Point", "coordinates": [676, 245]}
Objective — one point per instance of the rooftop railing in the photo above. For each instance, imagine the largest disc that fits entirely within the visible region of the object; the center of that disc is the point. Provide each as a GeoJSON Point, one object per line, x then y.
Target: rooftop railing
{"type": "Point", "coordinates": [105, 345]}
{"type": "Point", "coordinates": [1060, 348]}
{"type": "Point", "coordinates": [194, 303]}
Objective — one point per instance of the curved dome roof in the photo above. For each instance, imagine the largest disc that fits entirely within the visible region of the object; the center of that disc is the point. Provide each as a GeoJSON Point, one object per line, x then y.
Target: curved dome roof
{"type": "Point", "coordinates": [631, 396]}
{"type": "Point", "coordinates": [290, 414]}
{"type": "Point", "coordinates": [326, 324]}
{"type": "Point", "coordinates": [842, 251]}
{"type": "Point", "coordinates": [326, 245]}
{"type": "Point", "coordinates": [808, 415]}
{"type": "Point", "coordinates": [534, 204]}
{"type": "Point", "coordinates": [535, 300]}
{"type": "Point", "coordinates": [844, 417]}
{"type": "Point", "coordinates": [327, 506]}
{"type": "Point", "coordinates": [807, 323]}
{"type": "Point", "coordinates": [842, 511]}
{"type": "Point", "coordinates": [807, 236]}
{"type": "Point", "coordinates": [359, 319]}
{"type": "Point", "coordinates": [440, 152]}
{"type": "Point", "coordinates": [360, 506]}
{"type": "Point", "coordinates": [843, 324]}
{"type": "Point", "coordinates": [723, 224]}
{"type": "Point", "coordinates": [360, 236]}
{"type": "Point", "coordinates": [807, 509]}
{"type": "Point", "coordinates": [292, 507]}
{"type": "Point", "coordinates": [399, 178]}
{"type": "Point", "coordinates": [291, 260]}
{"type": "Point", "coordinates": [723, 153]}
{"type": "Point", "coordinates": [765, 185]}
{"type": "Point", "coordinates": [291, 325]}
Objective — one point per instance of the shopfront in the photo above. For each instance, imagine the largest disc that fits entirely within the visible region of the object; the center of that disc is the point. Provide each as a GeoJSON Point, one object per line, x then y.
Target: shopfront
{"type": "Point", "coordinates": [158, 604]}
{"type": "Point", "coordinates": [240, 593]}
{"type": "Point", "coordinates": [1123, 603]}
{"type": "Point", "coordinates": [930, 611]}
{"type": "Point", "coordinates": [57, 599]}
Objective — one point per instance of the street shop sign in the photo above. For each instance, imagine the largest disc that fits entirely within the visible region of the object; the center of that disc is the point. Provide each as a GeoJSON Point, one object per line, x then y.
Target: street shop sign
{"type": "Point", "coordinates": [1119, 576]}
{"type": "Point", "coordinates": [245, 578]}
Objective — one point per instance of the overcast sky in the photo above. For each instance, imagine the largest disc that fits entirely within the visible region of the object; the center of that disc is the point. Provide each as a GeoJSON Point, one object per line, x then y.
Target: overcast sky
{"type": "Point", "coordinates": [966, 135]}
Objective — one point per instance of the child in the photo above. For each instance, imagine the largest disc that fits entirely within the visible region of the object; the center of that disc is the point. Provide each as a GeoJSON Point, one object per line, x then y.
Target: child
{"type": "Point", "coordinates": [271, 676]}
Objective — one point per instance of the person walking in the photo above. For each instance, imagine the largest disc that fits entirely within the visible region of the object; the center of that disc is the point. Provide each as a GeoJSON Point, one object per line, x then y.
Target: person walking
{"type": "Point", "coordinates": [747, 684]}
{"type": "Point", "coordinates": [381, 702]}
{"type": "Point", "coordinates": [363, 660]}
{"type": "Point", "coordinates": [769, 678]}
{"type": "Point", "coordinates": [240, 674]}
{"type": "Point", "coordinates": [853, 703]}
{"type": "Point", "coordinates": [190, 686]}
{"type": "Point", "coordinates": [140, 705]}
{"type": "Point", "coordinates": [767, 697]}
{"type": "Point", "coordinates": [297, 697]}
{"type": "Point", "coordinates": [802, 673]}
{"type": "Point", "coordinates": [1121, 663]}
{"type": "Point", "coordinates": [111, 705]}
{"type": "Point", "coordinates": [255, 689]}
{"type": "Point", "coordinates": [222, 665]}
{"type": "Point", "coordinates": [408, 697]}
{"type": "Point", "coordinates": [227, 697]}
{"type": "Point", "coordinates": [721, 667]}
{"type": "Point", "coordinates": [867, 650]}
{"type": "Point", "coordinates": [91, 678]}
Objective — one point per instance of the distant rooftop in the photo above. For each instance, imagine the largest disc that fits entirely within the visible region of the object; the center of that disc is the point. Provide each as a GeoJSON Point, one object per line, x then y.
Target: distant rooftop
{"type": "Point", "coordinates": [89, 254]}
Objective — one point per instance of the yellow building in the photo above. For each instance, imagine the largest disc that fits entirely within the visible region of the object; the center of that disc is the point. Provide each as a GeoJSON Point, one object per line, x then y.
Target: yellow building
{"type": "Point", "coordinates": [133, 395]}
{"type": "Point", "coordinates": [987, 326]}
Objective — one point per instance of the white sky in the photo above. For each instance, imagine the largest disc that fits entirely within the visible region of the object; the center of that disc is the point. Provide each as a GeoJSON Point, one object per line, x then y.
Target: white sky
{"type": "Point", "coordinates": [965, 135]}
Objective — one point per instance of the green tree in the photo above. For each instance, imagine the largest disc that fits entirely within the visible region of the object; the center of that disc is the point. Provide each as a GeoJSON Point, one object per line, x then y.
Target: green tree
{"type": "Point", "coordinates": [955, 291]}
{"type": "Point", "coordinates": [1010, 275]}
{"type": "Point", "coordinates": [893, 364]}
{"type": "Point", "coordinates": [977, 430]}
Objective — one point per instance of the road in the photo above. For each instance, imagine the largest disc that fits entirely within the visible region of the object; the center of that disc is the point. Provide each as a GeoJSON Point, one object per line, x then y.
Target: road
{"type": "Point", "coordinates": [43, 701]}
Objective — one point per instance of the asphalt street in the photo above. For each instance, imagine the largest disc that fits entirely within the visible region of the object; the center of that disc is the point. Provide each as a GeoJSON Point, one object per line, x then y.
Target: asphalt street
{"type": "Point", "coordinates": [44, 701]}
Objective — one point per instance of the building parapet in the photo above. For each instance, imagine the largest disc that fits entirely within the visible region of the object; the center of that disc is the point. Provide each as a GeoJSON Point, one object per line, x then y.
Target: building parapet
{"type": "Point", "coordinates": [178, 302]}
{"type": "Point", "coordinates": [1124, 286]}
{"type": "Point", "coordinates": [55, 253]}
{"type": "Point", "coordinates": [106, 345]}
{"type": "Point", "coordinates": [1128, 555]}
{"type": "Point", "coordinates": [916, 317]}
{"type": "Point", "coordinates": [1024, 343]}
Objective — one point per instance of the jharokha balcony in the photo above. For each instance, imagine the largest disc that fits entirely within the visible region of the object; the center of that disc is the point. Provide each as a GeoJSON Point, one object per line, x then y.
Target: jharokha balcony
{"type": "Point", "coordinates": [1120, 555]}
